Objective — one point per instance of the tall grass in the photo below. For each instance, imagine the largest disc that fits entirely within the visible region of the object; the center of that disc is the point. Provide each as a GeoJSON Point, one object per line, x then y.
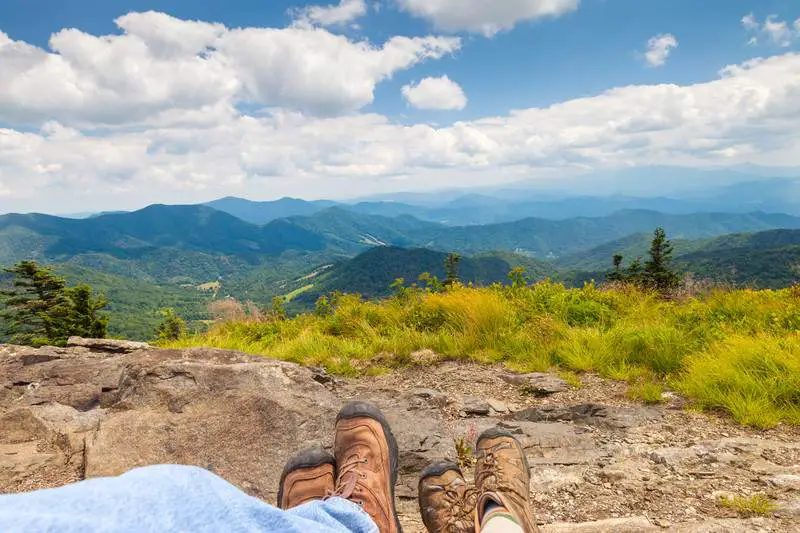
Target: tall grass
{"type": "Point", "coordinates": [731, 351]}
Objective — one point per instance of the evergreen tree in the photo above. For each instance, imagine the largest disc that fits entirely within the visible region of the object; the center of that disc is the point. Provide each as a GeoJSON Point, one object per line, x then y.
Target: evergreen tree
{"type": "Point", "coordinates": [172, 327]}
{"type": "Point", "coordinates": [616, 274]}
{"type": "Point", "coordinates": [37, 309]}
{"type": "Point", "coordinates": [451, 269]}
{"type": "Point", "coordinates": [635, 272]}
{"type": "Point", "coordinates": [85, 317]}
{"type": "Point", "coordinates": [657, 270]}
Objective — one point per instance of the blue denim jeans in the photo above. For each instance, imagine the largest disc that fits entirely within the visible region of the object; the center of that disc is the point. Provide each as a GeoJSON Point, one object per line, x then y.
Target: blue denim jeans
{"type": "Point", "coordinates": [169, 498]}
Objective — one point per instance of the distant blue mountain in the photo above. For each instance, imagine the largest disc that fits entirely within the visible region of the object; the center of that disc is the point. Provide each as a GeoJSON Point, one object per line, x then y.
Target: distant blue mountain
{"type": "Point", "coordinates": [263, 212]}
{"type": "Point", "coordinates": [673, 190]}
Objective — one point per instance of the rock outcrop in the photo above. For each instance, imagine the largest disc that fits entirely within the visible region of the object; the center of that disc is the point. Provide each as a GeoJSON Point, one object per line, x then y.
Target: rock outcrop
{"type": "Point", "coordinates": [100, 408]}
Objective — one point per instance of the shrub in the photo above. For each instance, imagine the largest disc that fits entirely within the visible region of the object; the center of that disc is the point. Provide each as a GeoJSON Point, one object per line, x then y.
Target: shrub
{"type": "Point", "coordinates": [757, 504]}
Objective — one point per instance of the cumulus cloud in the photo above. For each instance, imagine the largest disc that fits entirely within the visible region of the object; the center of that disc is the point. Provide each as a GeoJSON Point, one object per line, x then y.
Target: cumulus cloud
{"type": "Point", "coordinates": [774, 31]}
{"type": "Point", "coordinates": [197, 143]}
{"type": "Point", "coordinates": [160, 64]}
{"type": "Point", "coordinates": [332, 15]}
{"type": "Point", "coordinates": [659, 49]}
{"type": "Point", "coordinates": [435, 93]}
{"type": "Point", "coordinates": [488, 17]}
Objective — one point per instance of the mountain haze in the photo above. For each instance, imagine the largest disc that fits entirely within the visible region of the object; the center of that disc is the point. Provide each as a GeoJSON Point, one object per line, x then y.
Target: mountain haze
{"type": "Point", "coordinates": [551, 239]}
{"type": "Point", "coordinates": [263, 212]}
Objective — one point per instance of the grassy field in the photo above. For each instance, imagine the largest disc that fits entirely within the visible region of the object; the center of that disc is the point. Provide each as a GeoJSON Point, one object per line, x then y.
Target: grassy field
{"type": "Point", "coordinates": [732, 351]}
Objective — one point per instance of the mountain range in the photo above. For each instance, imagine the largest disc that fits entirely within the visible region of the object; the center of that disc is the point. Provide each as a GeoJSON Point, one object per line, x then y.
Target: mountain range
{"type": "Point", "coordinates": [203, 234]}
{"type": "Point", "coordinates": [183, 256]}
{"type": "Point", "coordinates": [773, 196]}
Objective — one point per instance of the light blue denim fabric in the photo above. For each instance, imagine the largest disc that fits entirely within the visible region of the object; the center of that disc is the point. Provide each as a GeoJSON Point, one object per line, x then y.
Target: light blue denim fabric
{"type": "Point", "coordinates": [169, 498]}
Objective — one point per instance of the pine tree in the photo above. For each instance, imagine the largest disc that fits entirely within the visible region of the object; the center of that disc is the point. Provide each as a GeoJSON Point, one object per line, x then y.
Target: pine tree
{"type": "Point", "coordinates": [37, 309]}
{"type": "Point", "coordinates": [86, 318]}
{"type": "Point", "coordinates": [616, 274]}
{"type": "Point", "coordinates": [451, 269]}
{"type": "Point", "coordinates": [40, 309]}
{"type": "Point", "coordinates": [657, 270]}
{"type": "Point", "coordinates": [635, 272]}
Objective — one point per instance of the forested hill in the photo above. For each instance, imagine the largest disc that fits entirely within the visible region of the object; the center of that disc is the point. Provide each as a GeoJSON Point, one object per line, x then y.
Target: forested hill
{"type": "Point", "coordinates": [555, 238]}
{"type": "Point", "coordinates": [193, 231]}
{"type": "Point", "coordinates": [372, 273]}
{"type": "Point", "coordinates": [767, 259]}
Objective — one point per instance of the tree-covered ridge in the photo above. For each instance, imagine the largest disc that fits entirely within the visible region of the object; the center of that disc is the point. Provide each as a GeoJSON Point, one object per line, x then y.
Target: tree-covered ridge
{"type": "Point", "coordinates": [183, 257]}
{"type": "Point", "coordinates": [372, 273]}
{"type": "Point", "coordinates": [767, 259]}
{"type": "Point", "coordinates": [558, 238]}
{"type": "Point", "coordinates": [200, 234]}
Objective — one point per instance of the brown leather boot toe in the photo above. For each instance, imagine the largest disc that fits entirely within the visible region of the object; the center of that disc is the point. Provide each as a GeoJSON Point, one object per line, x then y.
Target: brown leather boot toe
{"type": "Point", "coordinates": [366, 455]}
{"type": "Point", "coordinates": [502, 475]}
{"type": "Point", "coordinates": [446, 500]}
{"type": "Point", "coordinates": [309, 475]}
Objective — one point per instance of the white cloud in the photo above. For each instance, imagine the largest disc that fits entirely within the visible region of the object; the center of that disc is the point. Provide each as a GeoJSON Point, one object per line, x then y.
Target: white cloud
{"type": "Point", "coordinates": [659, 48]}
{"type": "Point", "coordinates": [332, 15]}
{"type": "Point", "coordinates": [485, 16]}
{"type": "Point", "coordinates": [435, 93]}
{"type": "Point", "coordinates": [192, 143]}
{"type": "Point", "coordinates": [160, 64]}
{"type": "Point", "coordinates": [749, 22]}
{"type": "Point", "coordinates": [774, 31]}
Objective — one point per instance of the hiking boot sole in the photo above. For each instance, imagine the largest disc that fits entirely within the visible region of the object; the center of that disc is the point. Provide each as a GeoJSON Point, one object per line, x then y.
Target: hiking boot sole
{"type": "Point", "coordinates": [438, 468]}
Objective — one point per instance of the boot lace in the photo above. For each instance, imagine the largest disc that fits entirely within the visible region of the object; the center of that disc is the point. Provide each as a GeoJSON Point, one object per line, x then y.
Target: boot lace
{"type": "Point", "coordinates": [349, 475]}
{"type": "Point", "coordinates": [457, 509]}
{"type": "Point", "coordinates": [492, 467]}
{"type": "Point", "coordinates": [462, 509]}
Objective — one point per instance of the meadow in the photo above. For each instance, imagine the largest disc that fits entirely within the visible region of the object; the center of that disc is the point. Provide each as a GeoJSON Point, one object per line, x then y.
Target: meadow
{"type": "Point", "coordinates": [728, 351]}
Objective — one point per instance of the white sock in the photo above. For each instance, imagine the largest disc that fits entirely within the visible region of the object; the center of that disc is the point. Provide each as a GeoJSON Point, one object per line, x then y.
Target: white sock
{"type": "Point", "coordinates": [500, 523]}
{"type": "Point", "coordinates": [497, 519]}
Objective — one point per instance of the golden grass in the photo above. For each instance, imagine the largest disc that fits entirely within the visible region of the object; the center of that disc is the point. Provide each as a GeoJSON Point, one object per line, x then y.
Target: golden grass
{"type": "Point", "coordinates": [730, 351]}
{"type": "Point", "coordinates": [757, 504]}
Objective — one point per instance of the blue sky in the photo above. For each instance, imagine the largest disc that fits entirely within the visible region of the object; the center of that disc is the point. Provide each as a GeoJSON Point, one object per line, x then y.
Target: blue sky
{"type": "Point", "coordinates": [84, 135]}
{"type": "Point", "coordinates": [538, 63]}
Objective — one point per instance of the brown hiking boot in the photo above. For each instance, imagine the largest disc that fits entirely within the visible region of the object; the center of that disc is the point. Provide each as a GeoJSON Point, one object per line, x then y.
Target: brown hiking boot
{"type": "Point", "coordinates": [366, 454]}
{"type": "Point", "coordinates": [309, 475]}
{"type": "Point", "coordinates": [446, 501]}
{"type": "Point", "coordinates": [502, 476]}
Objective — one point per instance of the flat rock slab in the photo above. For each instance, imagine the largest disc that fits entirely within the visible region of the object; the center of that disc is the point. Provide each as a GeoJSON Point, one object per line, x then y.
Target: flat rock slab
{"type": "Point", "coordinates": [537, 383]}
{"type": "Point", "coordinates": [590, 414]}
{"type": "Point", "coordinates": [96, 410]}
{"type": "Point", "coordinates": [637, 524]}
{"type": "Point", "coordinates": [108, 345]}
